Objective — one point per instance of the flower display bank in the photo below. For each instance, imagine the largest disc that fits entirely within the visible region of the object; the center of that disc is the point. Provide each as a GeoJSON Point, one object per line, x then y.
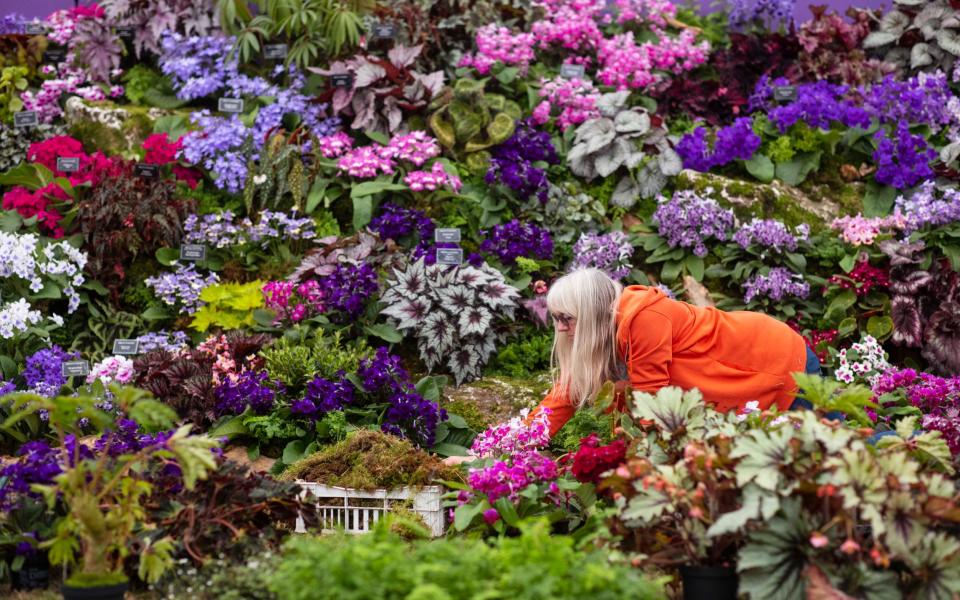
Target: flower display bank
{"type": "Point", "coordinates": [250, 249]}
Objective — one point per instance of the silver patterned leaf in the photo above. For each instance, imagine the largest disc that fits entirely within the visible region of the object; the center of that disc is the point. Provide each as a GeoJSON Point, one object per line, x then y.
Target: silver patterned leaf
{"type": "Point", "coordinates": [474, 321]}
{"type": "Point", "coordinates": [409, 314]}
{"type": "Point", "coordinates": [456, 298]}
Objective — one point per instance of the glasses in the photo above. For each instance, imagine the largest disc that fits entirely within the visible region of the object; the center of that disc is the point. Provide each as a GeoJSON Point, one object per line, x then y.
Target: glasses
{"type": "Point", "coordinates": [562, 319]}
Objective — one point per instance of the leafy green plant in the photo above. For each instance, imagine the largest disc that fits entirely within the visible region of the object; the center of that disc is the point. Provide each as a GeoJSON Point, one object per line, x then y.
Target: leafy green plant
{"type": "Point", "coordinates": [228, 306]}
{"type": "Point", "coordinates": [13, 80]}
{"type": "Point", "coordinates": [534, 565]}
{"type": "Point", "coordinates": [313, 29]}
{"type": "Point", "coordinates": [104, 495]}
{"type": "Point", "coordinates": [524, 357]}
{"type": "Point", "coordinates": [624, 137]}
{"type": "Point", "coordinates": [781, 495]}
{"type": "Point", "coordinates": [138, 81]}
{"type": "Point", "coordinates": [295, 363]}
{"type": "Point", "coordinates": [467, 121]}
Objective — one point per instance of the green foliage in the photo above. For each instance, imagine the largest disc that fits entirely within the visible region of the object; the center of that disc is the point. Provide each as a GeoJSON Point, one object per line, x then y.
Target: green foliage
{"type": "Point", "coordinates": [139, 80]}
{"type": "Point", "coordinates": [523, 357]}
{"type": "Point", "coordinates": [283, 178]}
{"type": "Point", "coordinates": [314, 30]}
{"type": "Point", "coordinates": [583, 423]}
{"type": "Point", "coordinates": [104, 495]}
{"type": "Point", "coordinates": [228, 306]}
{"type": "Point", "coordinates": [830, 395]}
{"type": "Point", "coordinates": [13, 80]}
{"type": "Point", "coordinates": [467, 121]}
{"type": "Point", "coordinates": [296, 363]}
{"type": "Point", "coordinates": [381, 565]}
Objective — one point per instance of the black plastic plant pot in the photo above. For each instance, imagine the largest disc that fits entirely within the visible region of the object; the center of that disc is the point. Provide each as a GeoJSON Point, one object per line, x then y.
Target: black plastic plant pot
{"type": "Point", "coordinates": [99, 592]}
{"type": "Point", "coordinates": [709, 583]}
{"type": "Point", "coordinates": [33, 575]}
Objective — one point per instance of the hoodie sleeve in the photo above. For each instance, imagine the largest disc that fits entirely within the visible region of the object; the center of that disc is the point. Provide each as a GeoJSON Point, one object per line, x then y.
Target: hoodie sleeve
{"type": "Point", "coordinates": [649, 351]}
{"type": "Point", "coordinates": [561, 410]}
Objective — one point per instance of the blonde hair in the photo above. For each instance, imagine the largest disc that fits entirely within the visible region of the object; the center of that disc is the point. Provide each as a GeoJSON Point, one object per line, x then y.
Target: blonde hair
{"type": "Point", "coordinates": [581, 365]}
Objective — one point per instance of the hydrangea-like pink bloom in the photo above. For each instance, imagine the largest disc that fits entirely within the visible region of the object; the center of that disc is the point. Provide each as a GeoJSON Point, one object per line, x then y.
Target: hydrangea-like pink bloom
{"type": "Point", "coordinates": [434, 179]}
{"type": "Point", "coordinates": [333, 146]}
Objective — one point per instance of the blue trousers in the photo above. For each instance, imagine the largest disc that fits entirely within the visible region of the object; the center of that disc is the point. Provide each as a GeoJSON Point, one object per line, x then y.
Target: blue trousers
{"type": "Point", "coordinates": [812, 368]}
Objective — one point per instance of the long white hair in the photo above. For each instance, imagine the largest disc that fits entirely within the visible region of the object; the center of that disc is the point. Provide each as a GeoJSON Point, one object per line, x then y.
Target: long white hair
{"type": "Point", "coordinates": [582, 364]}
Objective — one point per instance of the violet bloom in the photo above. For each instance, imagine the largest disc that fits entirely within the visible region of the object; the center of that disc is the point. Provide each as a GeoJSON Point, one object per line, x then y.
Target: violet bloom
{"type": "Point", "coordinates": [769, 234]}
{"type": "Point", "coordinates": [733, 142]}
{"type": "Point", "coordinates": [324, 396]}
{"type": "Point", "coordinates": [43, 373]}
{"type": "Point", "coordinates": [510, 241]}
{"type": "Point", "coordinates": [903, 159]}
{"type": "Point", "coordinates": [512, 162]}
{"type": "Point", "coordinates": [38, 464]}
{"type": "Point", "coordinates": [609, 252]}
{"type": "Point", "coordinates": [689, 221]}
{"type": "Point", "coordinates": [777, 284]}
{"type": "Point", "coordinates": [253, 389]}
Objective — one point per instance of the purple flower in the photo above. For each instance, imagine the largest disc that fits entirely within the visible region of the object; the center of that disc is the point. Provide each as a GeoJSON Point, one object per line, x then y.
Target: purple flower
{"type": "Point", "coordinates": [902, 159]}
{"type": "Point", "coordinates": [38, 463]}
{"type": "Point", "coordinates": [925, 209]}
{"type": "Point", "coordinates": [818, 104]}
{"type": "Point", "coordinates": [512, 162]}
{"type": "Point", "coordinates": [182, 287]}
{"type": "Point", "coordinates": [733, 142]}
{"type": "Point", "coordinates": [396, 222]}
{"type": "Point", "coordinates": [196, 65]}
{"type": "Point", "coordinates": [769, 234]}
{"type": "Point", "coordinates": [743, 12]}
{"type": "Point", "coordinates": [610, 252]}
{"type": "Point", "coordinates": [491, 516]}
{"type": "Point", "coordinates": [689, 221]}
{"type": "Point", "coordinates": [777, 284]}
{"type": "Point", "coordinates": [512, 240]}
{"type": "Point", "coordinates": [43, 372]}
{"type": "Point", "coordinates": [919, 100]}
{"type": "Point", "coordinates": [252, 388]}
{"type": "Point", "coordinates": [324, 396]}
{"type": "Point", "coordinates": [348, 288]}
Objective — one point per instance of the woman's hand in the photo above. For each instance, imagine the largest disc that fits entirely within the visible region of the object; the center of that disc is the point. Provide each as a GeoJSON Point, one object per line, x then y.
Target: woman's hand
{"type": "Point", "coordinates": [452, 461]}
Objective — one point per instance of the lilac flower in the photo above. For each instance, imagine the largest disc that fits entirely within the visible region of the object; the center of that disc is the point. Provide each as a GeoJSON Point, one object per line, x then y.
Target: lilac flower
{"type": "Point", "coordinates": [743, 12]}
{"type": "Point", "coordinates": [43, 373]}
{"type": "Point", "coordinates": [163, 340]}
{"type": "Point", "coordinates": [769, 234]}
{"type": "Point", "coordinates": [125, 437]}
{"type": "Point", "coordinates": [196, 65]}
{"type": "Point", "coordinates": [777, 284]}
{"type": "Point", "coordinates": [902, 159]}
{"type": "Point", "coordinates": [513, 240]}
{"type": "Point", "coordinates": [925, 209]}
{"type": "Point", "coordinates": [220, 145]}
{"type": "Point", "coordinates": [182, 287]}
{"type": "Point", "coordinates": [733, 142]}
{"type": "Point", "coordinates": [689, 221]}
{"type": "Point", "coordinates": [513, 162]}
{"type": "Point", "coordinates": [252, 389]}
{"type": "Point", "coordinates": [7, 387]}
{"type": "Point", "coordinates": [609, 252]}
{"type": "Point", "coordinates": [396, 222]}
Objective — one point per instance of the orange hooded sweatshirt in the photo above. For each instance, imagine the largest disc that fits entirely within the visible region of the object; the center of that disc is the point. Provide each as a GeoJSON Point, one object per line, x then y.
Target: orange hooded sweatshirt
{"type": "Point", "coordinates": [731, 357]}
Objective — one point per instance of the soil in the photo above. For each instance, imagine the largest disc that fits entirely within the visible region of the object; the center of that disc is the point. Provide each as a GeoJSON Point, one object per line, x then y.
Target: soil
{"type": "Point", "coordinates": [498, 399]}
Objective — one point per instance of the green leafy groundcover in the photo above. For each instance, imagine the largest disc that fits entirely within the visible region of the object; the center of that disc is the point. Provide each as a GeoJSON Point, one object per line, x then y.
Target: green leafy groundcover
{"type": "Point", "coordinates": [381, 565]}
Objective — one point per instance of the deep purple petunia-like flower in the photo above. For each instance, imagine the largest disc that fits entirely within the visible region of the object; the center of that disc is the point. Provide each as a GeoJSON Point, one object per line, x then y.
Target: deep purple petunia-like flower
{"type": "Point", "coordinates": [43, 369]}
{"type": "Point", "coordinates": [252, 388]}
{"type": "Point", "coordinates": [510, 241]}
{"type": "Point", "coordinates": [903, 159]}
{"type": "Point", "coordinates": [512, 162]}
{"type": "Point", "coordinates": [733, 142]}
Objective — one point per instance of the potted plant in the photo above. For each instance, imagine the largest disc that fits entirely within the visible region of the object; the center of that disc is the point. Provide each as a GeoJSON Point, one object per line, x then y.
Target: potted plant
{"type": "Point", "coordinates": [102, 489]}
{"type": "Point", "coordinates": [796, 502]}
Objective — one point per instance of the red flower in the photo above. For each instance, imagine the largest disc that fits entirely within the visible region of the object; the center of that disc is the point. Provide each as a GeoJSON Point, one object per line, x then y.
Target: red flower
{"type": "Point", "coordinates": [38, 204]}
{"type": "Point", "coordinates": [592, 460]}
{"type": "Point", "coordinates": [160, 151]}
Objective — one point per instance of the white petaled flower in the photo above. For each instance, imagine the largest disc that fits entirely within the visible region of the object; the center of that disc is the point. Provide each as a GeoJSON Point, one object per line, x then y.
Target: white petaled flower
{"type": "Point", "coordinates": [259, 179]}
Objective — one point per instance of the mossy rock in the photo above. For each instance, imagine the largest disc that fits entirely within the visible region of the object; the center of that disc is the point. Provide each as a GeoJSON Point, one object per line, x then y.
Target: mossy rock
{"type": "Point", "coordinates": [495, 399]}
{"type": "Point", "coordinates": [112, 129]}
{"type": "Point", "coordinates": [775, 200]}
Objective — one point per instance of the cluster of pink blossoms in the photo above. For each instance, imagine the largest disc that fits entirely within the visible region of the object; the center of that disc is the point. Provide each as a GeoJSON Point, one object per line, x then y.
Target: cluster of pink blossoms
{"type": "Point", "coordinates": [225, 368]}
{"type": "Point", "coordinates": [495, 44]}
{"type": "Point", "coordinates": [434, 179]}
{"type": "Point", "coordinates": [333, 146]}
{"type": "Point", "coordinates": [570, 26]}
{"type": "Point", "coordinates": [46, 100]}
{"type": "Point", "coordinates": [366, 162]}
{"type": "Point", "coordinates": [416, 147]}
{"type": "Point", "coordinates": [625, 64]}
{"type": "Point", "coordinates": [575, 98]}
{"type": "Point", "coordinates": [293, 302]}
{"type": "Point", "coordinates": [113, 369]}
{"type": "Point", "coordinates": [516, 444]}
{"type": "Point", "coordinates": [862, 231]}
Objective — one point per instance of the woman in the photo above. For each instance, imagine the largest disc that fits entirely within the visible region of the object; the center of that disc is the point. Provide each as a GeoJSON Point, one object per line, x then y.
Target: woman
{"type": "Point", "coordinates": [605, 333]}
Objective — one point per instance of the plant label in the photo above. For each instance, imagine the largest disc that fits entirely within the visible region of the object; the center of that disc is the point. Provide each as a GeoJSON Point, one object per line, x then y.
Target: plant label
{"type": "Point", "coordinates": [446, 236]}
{"type": "Point", "coordinates": [230, 105]}
{"type": "Point", "coordinates": [147, 170]}
{"type": "Point", "coordinates": [785, 93]}
{"type": "Point", "coordinates": [75, 368]}
{"type": "Point", "coordinates": [385, 31]}
{"type": "Point", "coordinates": [126, 32]}
{"type": "Point", "coordinates": [193, 252]}
{"type": "Point", "coordinates": [54, 55]}
{"type": "Point", "coordinates": [342, 80]}
{"type": "Point", "coordinates": [275, 51]}
{"type": "Point", "coordinates": [449, 256]}
{"type": "Point", "coordinates": [126, 347]}
{"type": "Point", "coordinates": [68, 164]}
{"type": "Point", "coordinates": [572, 71]}
{"type": "Point", "coordinates": [26, 118]}
{"type": "Point", "coordinates": [34, 29]}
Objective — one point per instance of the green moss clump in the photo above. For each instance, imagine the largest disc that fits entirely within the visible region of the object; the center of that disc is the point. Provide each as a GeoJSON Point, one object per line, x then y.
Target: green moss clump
{"type": "Point", "coordinates": [89, 580]}
{"type": "Point", "coordinates": [470, 413]}
{"type": "Point", "coordinates": [368, 460]}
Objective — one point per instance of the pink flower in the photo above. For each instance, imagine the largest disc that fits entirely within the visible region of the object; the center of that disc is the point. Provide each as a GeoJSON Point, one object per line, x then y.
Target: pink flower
{"type": "Point", "coordinates": [818, 540]}
{"type": "Point", "coordinates": [433, 179]}
{"type": "Point", "coordinates": [849, 547]}
{"type": "Point", "coordinates": [333, 146]}
{"type": "Point", "coordinates": [416, 147]}
{"type": "Point", "coordinates": [491, 516]}
{"type": "Point", "coordinates": [366, 162]}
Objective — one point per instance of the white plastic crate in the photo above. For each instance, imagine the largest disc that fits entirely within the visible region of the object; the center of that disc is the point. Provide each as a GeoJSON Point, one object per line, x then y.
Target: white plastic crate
{"type": "Point", "coordinates": [357, 511]}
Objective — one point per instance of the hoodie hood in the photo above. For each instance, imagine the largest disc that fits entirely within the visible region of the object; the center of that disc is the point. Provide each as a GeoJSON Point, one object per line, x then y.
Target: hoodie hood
{"type": "Point", "coordinates": [636, 298]}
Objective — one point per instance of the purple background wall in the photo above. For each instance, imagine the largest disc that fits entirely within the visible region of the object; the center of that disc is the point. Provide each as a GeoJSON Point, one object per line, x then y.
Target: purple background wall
{"type": "Point", "coordinates": [41, 8]}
